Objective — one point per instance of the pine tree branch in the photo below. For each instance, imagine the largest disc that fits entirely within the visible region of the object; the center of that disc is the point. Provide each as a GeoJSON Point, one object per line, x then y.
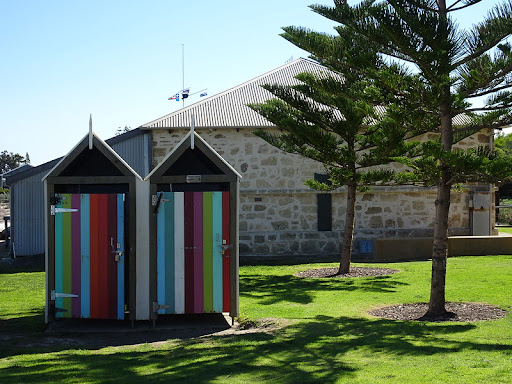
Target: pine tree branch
{"type": "Point", "coordinates": [486, 73]}
{"type": "Point", "coordinates": [422, 5]}
{"type": "Point", "coordinates": [469, 4]}
{"type": "Point", "coordinates": [489, 108]}
{"type": "Point", "coordinates": [488, 33]}
{"type": "Point", "coordinates": [489, 91]}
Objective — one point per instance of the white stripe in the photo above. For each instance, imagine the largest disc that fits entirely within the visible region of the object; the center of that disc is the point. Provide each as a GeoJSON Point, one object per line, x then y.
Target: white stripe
{"type": "Point", "coordinates": [179, 251]}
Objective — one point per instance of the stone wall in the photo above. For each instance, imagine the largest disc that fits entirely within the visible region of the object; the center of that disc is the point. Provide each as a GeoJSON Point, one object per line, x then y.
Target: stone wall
{"type": "Point", "coordinates": [261, 165]}
{"type": "Point", "coordinates": [278, 214]}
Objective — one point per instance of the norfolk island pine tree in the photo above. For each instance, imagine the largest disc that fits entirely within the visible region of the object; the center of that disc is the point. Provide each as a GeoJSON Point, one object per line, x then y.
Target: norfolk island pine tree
{"type": "Point", "coordinates": [452, 67]}
{"type": "Point", "coordinates": [337, 118]}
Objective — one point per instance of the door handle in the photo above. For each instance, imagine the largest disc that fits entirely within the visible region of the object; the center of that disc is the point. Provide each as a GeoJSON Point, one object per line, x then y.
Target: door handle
{"type": "Point", "coordinates": [224, 248]}
{"type": "Point", "coordinates": [118, 256]}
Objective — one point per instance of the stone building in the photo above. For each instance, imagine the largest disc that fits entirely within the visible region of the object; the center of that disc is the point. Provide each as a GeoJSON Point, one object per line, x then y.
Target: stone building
{"type": "Point", "coordinates": [279, 215]}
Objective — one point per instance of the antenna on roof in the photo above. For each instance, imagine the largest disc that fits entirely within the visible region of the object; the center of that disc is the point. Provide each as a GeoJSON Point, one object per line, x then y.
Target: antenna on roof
{"type": "Point", "coordinates": [183, 74]}
{"type": "Point", "coordinates": [192, 127]}
{"type": "Point", "coordinates": [90, 131]}
{"type": "Point", "coordinates": [185, 92]}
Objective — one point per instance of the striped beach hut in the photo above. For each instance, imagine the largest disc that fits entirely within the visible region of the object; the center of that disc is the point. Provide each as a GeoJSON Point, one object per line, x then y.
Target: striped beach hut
{"type": "Point", "coordinates": [90, 238]}
{"type": "Point", "coordinates": [194, 231]}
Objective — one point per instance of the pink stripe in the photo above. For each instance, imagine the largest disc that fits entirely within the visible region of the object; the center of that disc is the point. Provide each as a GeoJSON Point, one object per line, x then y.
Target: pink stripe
{"type": "Point", "coordinates": [198, 252]}
{"type": "Point", "coordinates": [75, 255]}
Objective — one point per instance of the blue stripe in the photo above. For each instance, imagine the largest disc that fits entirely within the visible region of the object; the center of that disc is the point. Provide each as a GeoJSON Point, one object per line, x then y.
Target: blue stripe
{"type": "Point", "coordinates": [85, 267]}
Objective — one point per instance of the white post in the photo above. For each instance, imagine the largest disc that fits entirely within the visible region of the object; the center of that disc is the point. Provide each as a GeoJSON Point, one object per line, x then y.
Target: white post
{"type": "Point", "coordinates": [90, 131]}
{"type": "Point", "coordinates": [192, 127]}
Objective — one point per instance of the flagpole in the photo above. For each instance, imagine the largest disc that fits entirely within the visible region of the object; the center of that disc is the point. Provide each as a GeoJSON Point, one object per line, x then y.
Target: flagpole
{"type": "Point", "coordinates": [185, 92]}
{"type": "Point", "coordinates": [183, 70]}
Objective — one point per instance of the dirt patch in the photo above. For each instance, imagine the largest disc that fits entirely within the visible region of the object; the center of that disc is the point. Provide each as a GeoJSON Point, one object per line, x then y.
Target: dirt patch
{"type": "Point", "coordinates": [457, 312]}
{"type": "Point", "coordinates": [354, 272]}
{"type": "Point", "coordinates": [267, 324]}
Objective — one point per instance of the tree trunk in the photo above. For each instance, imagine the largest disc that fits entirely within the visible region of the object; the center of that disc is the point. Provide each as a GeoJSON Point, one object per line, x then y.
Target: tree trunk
{"type": "Point", "coordinates": [348, 234]}
{"type": "Point", "coordinates": [436, 305]}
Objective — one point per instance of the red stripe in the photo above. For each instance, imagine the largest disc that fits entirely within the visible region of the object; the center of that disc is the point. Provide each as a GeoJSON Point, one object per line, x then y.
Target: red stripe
{"type": "Point", "coordinates": [226, 239]}
{"type": "Point", "coordinates": [189, 252]}
{"type": "Point", "coordinates": [111, 262]}
{"type": "Point", "coordinates": [94, 256]}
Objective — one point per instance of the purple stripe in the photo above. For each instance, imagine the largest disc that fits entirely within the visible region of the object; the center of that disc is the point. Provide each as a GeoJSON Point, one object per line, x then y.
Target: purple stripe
{"type": "Point", "coordinates": [75, 255]}
{"type": "Point", "coordinates": [198, 252]}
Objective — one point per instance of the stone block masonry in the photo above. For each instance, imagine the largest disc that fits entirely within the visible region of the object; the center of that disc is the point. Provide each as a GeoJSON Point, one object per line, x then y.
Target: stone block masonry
{"type": "Point", "coordinates": [278, 213]}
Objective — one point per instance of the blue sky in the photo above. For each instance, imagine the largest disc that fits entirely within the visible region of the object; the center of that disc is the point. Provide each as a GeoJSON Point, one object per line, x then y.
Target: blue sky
{"type": "Point", "coordinates": [121, 60]}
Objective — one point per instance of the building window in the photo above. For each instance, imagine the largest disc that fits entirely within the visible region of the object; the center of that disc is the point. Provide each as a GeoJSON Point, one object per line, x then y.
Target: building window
{"type": "Point", "coordinates": [324, 206]}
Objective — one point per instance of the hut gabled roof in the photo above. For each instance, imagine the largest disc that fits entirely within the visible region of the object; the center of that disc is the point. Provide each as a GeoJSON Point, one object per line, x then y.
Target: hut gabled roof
{"type": "Point", "coordinates": [100, 160]}
{"type": "Point", "coordinates": [200, 148]}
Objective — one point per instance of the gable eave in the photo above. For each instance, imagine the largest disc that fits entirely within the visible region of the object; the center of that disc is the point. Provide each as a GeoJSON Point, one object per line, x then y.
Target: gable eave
{"type": "Point", "coordinates": [82, 145]}
{"type": "Point", "coordinates": [184, 144]}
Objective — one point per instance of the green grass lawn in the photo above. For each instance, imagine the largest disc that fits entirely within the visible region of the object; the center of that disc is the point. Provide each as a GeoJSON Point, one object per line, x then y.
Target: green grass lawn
{"type": "Point", "coordinates": [327, 336]}
{"type": "Point", "coordinates": [505, 229]}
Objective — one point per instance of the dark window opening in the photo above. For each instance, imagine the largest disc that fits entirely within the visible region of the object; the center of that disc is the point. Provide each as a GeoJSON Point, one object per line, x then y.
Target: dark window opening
{"type": "Point", "coordinates": [324, 206]}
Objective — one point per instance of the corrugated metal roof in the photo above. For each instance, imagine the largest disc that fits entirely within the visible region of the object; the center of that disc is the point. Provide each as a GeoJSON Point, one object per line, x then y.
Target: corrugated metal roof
{"type": "Point", "coordinates": [229, 109]}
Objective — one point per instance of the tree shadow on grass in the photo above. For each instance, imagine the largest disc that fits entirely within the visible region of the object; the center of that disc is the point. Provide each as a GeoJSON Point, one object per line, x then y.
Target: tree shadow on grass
{"type": "Point", "coordinates": [313, 351]}
{"type": "Point", "coordinates": [31, 320]}
{"type": "Point", "coordinates": [272, 289]}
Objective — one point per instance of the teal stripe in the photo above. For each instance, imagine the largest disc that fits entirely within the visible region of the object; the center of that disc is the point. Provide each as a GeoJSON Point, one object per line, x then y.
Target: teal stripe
{"type": "Point", "coordinates": [160, 254]}
{"type": "Point", "coordinates": [120, 263]}
{"type": "Point", "coordinates": [59, 283]}
{"type": "Point", "coordinates": [85, 274]}
{"type": "Point", "coordinates": [217, 254]}
{"type": "Point", "coordinates": [207, 252]}
{"type": "Point", "coordinates": [169, 252]}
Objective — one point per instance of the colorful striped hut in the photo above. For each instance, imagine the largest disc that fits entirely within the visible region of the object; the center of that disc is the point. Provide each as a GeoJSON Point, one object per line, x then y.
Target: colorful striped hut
{"type": "Point", "coordinates": [90, 241]}
{"type": "Point", "coordinates": [194, 231]}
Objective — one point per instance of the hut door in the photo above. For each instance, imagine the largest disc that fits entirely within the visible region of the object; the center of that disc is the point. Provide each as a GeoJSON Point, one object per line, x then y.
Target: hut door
{"type": "Point", "coordinates": [193, 253]}
{"type": "Point", "coordinates": [89, 256]}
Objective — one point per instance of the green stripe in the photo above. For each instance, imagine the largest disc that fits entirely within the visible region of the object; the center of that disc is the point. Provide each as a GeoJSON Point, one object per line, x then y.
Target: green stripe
{"type": "Point", "coordinates": [58, 258]}
{"type": "Point", "coordinates": [207, 252]}
{"type": "Point", "coordinates": [66, 254]}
